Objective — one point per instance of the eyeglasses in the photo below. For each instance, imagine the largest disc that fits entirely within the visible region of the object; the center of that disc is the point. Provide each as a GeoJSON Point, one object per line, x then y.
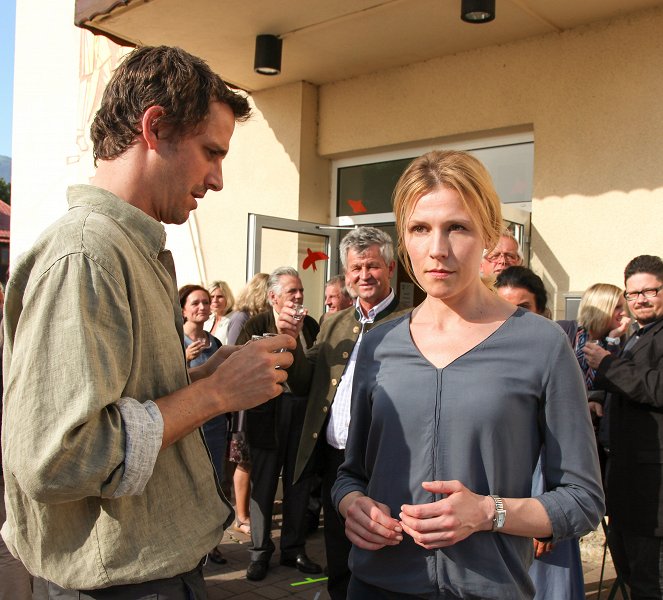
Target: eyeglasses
{"type": "Point", "coordinates": [646, 293]}
{"type": "Point", "coordinates": [507, 257]}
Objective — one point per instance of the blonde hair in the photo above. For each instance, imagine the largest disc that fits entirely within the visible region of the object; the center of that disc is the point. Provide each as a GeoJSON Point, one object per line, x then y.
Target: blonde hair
{"type": "Point", "coordinates": [227, 293]}
{"type": "Point", "coordinates": [253, 298]}
{"type": "Point", "coordinates": [597, 306]}
{"type": "Point", "coordinates": [455, 170]}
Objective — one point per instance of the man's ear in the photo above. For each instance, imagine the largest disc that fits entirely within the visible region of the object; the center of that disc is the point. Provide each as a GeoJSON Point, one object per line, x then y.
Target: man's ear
{"type": "Point", "coordinates": [151, 123]}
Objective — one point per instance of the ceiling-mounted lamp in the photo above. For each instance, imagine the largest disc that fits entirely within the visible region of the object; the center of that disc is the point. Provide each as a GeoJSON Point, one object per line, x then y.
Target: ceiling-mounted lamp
{"type": "Point", "coordinates": [477, 11]}
{"type": "Point", "coordinates": [268, 54]}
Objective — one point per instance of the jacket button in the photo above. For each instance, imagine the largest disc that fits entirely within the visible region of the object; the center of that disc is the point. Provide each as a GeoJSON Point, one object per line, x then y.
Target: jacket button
{"type": "Point", "coordinates": [315, 436]}
{"type": "Point", "coordinates": [355, 329]}
{"type": "Point", "coordinates": [325, 409]}
{"type": "Point", "coordinates": [345, 355]}
{"type": "Point", "coordinates": [334, 382]}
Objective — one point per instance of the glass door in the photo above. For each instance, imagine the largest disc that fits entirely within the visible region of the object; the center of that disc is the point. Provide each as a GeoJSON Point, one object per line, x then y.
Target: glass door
{"type": "Point", "coordinates": [311, 248]}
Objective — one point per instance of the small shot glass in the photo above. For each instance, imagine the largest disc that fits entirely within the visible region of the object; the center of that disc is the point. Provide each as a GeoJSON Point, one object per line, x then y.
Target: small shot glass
{"type": "Point", "coordinates": [299, 312]}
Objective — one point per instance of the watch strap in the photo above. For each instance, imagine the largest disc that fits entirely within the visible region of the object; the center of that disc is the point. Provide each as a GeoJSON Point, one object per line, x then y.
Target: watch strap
{"type": "Point", "coordinates": [500, 513]}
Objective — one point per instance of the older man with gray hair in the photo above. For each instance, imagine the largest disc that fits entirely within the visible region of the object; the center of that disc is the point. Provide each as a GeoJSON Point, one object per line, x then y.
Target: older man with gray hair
{"type": "Point", "coordinates": [506, 254]}
{"type": "Point", "coordinates": [326, 372]}
{"type": "Point", "coordinates": [273, 435]}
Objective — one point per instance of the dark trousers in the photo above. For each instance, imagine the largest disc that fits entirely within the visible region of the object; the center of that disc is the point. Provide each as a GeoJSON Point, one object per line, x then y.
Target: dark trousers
{"type": "Point", "coordinates": [337, 546]}
{"type": "Point", "coordinates": [639, 562]}
{"type": "Point", "coordinates": [266, 465]}
{"type": "Point", "coordinates": [187, 586]}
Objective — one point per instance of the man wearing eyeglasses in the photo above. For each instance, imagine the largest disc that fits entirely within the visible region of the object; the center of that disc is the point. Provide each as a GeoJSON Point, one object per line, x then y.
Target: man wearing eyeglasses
{"type": "Point", "coordinates": [634, 380]}
{"type": "Point", "coordinates": [506, 254]}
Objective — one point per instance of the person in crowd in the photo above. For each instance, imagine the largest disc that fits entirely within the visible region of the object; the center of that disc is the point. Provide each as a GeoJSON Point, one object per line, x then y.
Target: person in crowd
{"type": "Point", "coordinates": [326, 372]}
{"type": "Point", "coordinates": [452, 406]}
{"type": "Point", "coordinates": [273, 434]}
{"type": "Point", "coordinates": [522, 287]}
{"type": "Point", "coordinates": [556, 571]}
{"type": "Point", "coordinates": [222, 301]}
{"type": "Point", "coordinates": [111, 484]}
{"type": "Point", "coordinates": [200, 346]}
{"type": "Point", "coordinates": [603, 318]}
{"type": "Point", "coordinates": [252, 300]}
{"type": "Point", "coordinates": [337, 296]}
{"type": "Point", "coordinates": [634, 380]}
{"type": "Point", "coordinates": [506, 254]}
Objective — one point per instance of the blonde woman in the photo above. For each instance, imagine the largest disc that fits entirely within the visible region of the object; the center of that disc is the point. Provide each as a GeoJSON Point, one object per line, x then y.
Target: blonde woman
{"type": "Point", "coordinates": [451, 407]}
{"type": "Point", "coordinates": [251, 301]}
{"type": "Point", "coordinates": [602, 319]}
{"type": "Point", "coordinates": [222, 301]}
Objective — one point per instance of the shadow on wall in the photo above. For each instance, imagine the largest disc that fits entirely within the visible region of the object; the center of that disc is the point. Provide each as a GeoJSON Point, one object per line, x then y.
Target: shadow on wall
{"type": "Point", "coordinates": [551, 271]}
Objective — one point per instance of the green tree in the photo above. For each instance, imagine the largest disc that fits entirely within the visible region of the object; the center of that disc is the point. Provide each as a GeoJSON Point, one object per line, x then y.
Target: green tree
{"type": "Point", "coordinates": [5, 191]}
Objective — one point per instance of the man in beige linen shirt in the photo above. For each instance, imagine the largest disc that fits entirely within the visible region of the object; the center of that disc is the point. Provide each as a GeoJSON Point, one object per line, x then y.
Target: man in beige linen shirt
{"type": "Point", "coordinates": [108, 481]}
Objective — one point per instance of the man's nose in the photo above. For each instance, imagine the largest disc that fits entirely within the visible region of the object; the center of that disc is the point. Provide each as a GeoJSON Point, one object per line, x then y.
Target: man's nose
{"type": "Point", "coordinates": [214, 180]}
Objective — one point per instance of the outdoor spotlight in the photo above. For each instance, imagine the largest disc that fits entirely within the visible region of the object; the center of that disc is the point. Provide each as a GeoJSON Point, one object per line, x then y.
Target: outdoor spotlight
{"type": "Point", "coordinates": [268, 55]}
{"type": "Point", "coordinates": [477, 11]}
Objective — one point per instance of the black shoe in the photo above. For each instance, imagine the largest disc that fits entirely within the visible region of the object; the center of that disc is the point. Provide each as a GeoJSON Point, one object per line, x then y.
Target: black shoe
{"type": "Point", "coordinates": [216, 557]}
{"type": "Point", "coordinates": [302, 563]}
{"type": "Point", "coordinates": [257, 570]}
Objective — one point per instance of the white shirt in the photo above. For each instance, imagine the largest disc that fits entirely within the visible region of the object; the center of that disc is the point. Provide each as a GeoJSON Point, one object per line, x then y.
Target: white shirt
{"type": "Point", "coordinates": [339, 416]}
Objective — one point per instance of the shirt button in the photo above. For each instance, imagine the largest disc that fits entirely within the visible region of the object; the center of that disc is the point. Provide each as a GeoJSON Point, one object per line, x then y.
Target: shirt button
{"type": "Point", "coordinates": [315, 436]}
{"type": "Point", "coordinates": [334, 381]}
{"type": "Point", "coordinates": [355, 329]}
{"type": "Point", "coordinates": [325, 409]}
{"type": "Point", "coordinates": [345, 355]}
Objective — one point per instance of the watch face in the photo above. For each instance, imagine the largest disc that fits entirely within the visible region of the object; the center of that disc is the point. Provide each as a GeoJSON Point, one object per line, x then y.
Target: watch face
{"type": "Point", "coordinates": [501, 518]}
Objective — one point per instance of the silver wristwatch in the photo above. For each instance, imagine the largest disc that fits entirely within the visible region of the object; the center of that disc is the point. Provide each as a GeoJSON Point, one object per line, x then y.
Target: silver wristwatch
{"type": "Point", "coordinates": [500, 513]}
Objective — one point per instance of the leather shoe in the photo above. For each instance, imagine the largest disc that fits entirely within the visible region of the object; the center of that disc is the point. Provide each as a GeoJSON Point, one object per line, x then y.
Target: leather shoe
{"type": "Point", "coordinates": [257, 570]}
{"type": "Point", "coordinates": [302, 563]}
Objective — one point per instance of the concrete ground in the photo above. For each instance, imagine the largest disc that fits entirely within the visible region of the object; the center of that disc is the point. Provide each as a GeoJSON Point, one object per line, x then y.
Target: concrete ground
{"type": "Point", "coordinates": [229, 581]}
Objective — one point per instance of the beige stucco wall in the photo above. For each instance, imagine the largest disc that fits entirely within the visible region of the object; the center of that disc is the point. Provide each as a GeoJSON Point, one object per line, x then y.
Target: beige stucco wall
{"type": "Point", "coordinates": [273, 167]}
{"type": "Point", "coordinates": [593, 97]}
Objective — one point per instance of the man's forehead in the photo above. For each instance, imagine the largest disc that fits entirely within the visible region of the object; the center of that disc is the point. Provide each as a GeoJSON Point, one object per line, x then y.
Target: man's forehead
{"type": "Point", "coordinates": [370, 253]}
{"type": "Point", "coordinates": [638, 279]}
{"type": "Point", "coordinates": [507, 243]}
{"type": "Point", "coordinates": [289, 283]}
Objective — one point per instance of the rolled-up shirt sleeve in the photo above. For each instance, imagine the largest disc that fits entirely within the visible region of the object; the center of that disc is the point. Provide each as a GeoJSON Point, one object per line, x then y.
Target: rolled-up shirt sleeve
{"type": "Point", "coordinates": [143, 426]}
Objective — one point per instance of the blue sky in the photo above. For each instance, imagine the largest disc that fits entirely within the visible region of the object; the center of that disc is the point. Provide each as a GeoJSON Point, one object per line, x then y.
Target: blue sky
{"type": "Point", "coordinates": [7, 27]}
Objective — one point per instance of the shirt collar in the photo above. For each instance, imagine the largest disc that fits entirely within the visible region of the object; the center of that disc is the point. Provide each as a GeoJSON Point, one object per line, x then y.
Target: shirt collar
{"type": "Point", "coordinates": [375, 311]}
{"type": "Point", "coordinates": [148, 234]}
{"type": "Point", "coordinates": [642, 330]}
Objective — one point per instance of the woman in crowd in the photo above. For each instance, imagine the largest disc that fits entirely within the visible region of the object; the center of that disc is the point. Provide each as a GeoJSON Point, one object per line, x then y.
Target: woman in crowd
{"type": "Point", "coordinates": [556, 571]}
{"type": "Point", "coordinates": [451, 407]}
{"type": "Point", "coordinates": [200, 346]}
{"type": "Point", "coordinates": [251, 301]}
{"type": "Point", "coordinates": [222, 301]}
{"type": "Point", "coordinates": [602, 319]}
{"type": "Point", "coordinates": [522, 287]}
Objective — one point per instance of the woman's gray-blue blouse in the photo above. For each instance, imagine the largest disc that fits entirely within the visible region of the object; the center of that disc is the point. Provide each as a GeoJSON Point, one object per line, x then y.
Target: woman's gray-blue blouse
{"type": "Point", "coordinates": [481, 420]}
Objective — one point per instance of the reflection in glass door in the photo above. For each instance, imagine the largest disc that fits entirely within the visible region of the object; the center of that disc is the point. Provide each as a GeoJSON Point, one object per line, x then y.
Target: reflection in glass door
{"type": "Point", "coordinates": [311, 248]}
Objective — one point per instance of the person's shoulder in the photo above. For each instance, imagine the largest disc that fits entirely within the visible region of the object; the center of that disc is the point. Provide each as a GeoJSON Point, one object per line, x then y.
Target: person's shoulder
{"type": "Point", "coordinates": [396, 325]}
{"type": "Point", "coordinates": [524, 323]}
{"type": "Point", "coordinates": [259, 319]}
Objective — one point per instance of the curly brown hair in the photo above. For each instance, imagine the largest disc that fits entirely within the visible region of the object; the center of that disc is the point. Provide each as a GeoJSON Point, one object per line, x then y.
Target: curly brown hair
{"type": "Point", "coordinates": [182, 84]}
